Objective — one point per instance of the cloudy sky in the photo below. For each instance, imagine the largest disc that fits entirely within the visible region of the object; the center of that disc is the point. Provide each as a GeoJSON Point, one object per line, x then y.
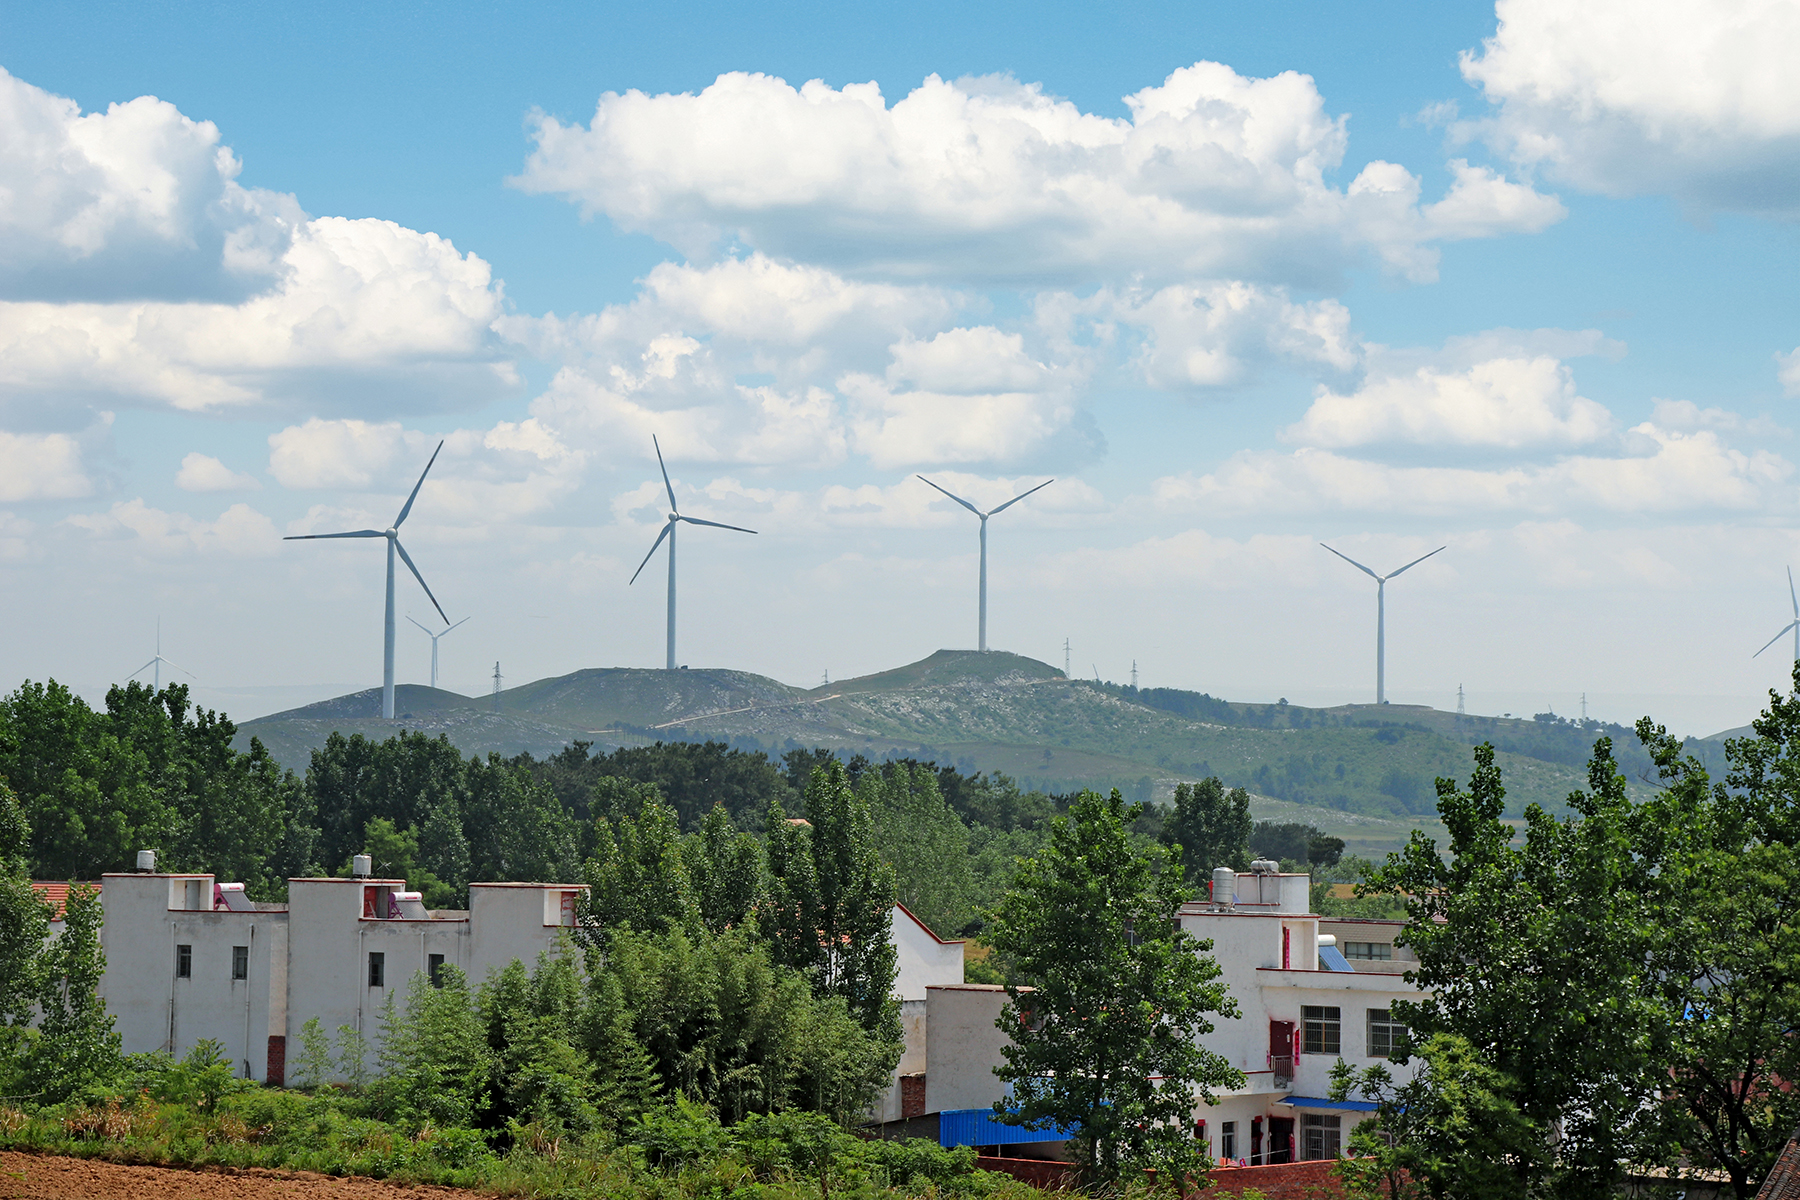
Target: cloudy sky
{"type": "Point", "coordinates": [1242, 277]}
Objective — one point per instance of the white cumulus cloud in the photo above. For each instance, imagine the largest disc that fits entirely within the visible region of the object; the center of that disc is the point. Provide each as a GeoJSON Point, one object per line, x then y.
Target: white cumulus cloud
{"type": "Point", "coordinates": [204, 473]}
{"type": "Point", "coordinates": [1213, 175]}
{"type": "Point", "coordinates": [42, 466]}
{"type": "Point", "coordinates": [238, 531]}
{"type": "Point", "coordinates": [1699, 100]}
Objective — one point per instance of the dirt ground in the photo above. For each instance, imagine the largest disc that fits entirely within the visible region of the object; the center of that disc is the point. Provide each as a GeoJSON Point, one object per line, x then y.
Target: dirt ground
{"type": "Point", "coordinates": [35, 1177]}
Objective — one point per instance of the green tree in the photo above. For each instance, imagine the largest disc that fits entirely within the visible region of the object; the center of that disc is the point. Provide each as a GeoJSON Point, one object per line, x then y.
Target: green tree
{"type": "Point", "coordinates": [394, 854]}
{"type": "Point", "coordinates": [24, 926]}
{"type": "Point", "coordinates": [925, 841]}
{"type": "Point", "coordinates": [516, 828]}
{"type": "Point", "coordinates": [1212, 827]}
{"type": "Point", "coordinates": [1449, 1132]}
{"type": "Point", "coordinates": [831, 902]}
{"type": "Point", "coordinates": [1108, 1040]}
{"type": "Point", "coordinates": [725, 866]}
{"type": "Point", "coordinates": [638, 874]}
{"type": "Point", "coordinates": [76, 1046]}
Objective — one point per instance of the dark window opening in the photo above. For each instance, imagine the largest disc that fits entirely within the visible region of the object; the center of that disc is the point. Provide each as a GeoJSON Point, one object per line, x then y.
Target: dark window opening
{"type": "Point", "coordinates": [434, 969]}
{"type": "Point", "coordinates": [1322, 1137]}
{"type": "Point", "coordinates": [1228, 1140]}
{"type": "Point", "coordinates": [184, 962]}
{"type": "Point", "coordinates": [377, 969]}
{"type": "Point", "coordinates": [1320, 1027]}
{"type": "Point", "coordinates": [1369, 951]}
{"type": "Point", "coordinates": [1385, 1033]}
{"type": "Point", "coordinates": [240, 962]}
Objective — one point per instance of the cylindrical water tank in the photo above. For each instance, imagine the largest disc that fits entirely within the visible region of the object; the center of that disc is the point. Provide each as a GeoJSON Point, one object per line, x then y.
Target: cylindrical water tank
{"type": "Point", "coordinates": [147, 861]}
{"type": "Point", "coordinates": [1328, 939]}
{"type": "Point", "coordinates": [362, 866]}
{"type": "Point", "coordinates": [1224, 885]}
{"type": "Point", "coordinates": [1265, 866]}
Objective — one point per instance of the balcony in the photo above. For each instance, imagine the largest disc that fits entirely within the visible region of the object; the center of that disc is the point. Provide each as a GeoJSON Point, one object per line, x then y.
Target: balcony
{"type": "Point", "coordinates": [1283, 1067]}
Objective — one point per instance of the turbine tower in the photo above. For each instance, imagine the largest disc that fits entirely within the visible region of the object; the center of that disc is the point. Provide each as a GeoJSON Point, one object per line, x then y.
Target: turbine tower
{"type": "Point", "coordinates": [392, 534]}
{"type": "Point", "coordinates": [1794, 625]}
{"type": "Point", "coordinates": [434, 641]}
{"type": "Point", "coordinates": [668, 531]}
{"type": "Point", "coordinates": [982, 641]}
{"type": "Point", "coordinates": [159, 662]}
{"type": "Point", "coordinates": [1381, 614]}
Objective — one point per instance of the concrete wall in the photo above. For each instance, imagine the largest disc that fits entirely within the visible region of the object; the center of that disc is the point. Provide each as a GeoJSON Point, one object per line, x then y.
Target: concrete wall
{"type": "Point", "coordinates": [964, 1046]}
{"type": "Point", "coordinates": [1347, 929]}
{"type": "Point", "coordinates": [922, 958]}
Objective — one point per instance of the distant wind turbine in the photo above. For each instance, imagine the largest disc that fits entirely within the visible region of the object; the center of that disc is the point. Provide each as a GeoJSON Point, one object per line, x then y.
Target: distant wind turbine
{"type": "Point", "coordinates": [159, 662]}
{"type": "Point", "coordinates": [392, 534]}
{"type": "Point", "coordinates": [1381, 614]}
{"type": "Point", "coordinates": [668, 531]}
{"type": "Point", "coordinates": [1794, 625]}
{"type": "Point", "coordinates": [982, 637]}
{"type": "Point", "coordinates": [434, 641]}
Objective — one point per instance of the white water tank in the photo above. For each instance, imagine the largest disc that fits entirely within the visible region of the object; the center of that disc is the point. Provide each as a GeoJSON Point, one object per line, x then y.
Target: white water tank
{"type": "Point", "coordinates": [1224, 885]}
{"type": "Point", "coordinates": [147, 861]}
{"type": "Point", "coordinates": [1266, 866]}
{"type": "Point", "coordinates": [362, 866]}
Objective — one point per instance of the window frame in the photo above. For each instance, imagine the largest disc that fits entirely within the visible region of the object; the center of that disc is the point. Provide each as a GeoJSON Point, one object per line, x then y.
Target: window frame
{"type": "Point", "coordinates": [1330, 1136]}
{"type": "Point", "coordinates": [1228, 1140]}
{"type": "Point", "coordinates": [377, 969]}
{"type": "Point", "coordinates": [434, 969]}
{"type": "Point", "coordinates": [1321, 1029]}
{"type": "Point", "coordinates": [184, 960]}
{"type": "Point", "coordinates": [1369, 951]}
{"type": "Point", "coordinates": [1394, 1030]}
{"type": "Point", "coordinates": [240, 964]}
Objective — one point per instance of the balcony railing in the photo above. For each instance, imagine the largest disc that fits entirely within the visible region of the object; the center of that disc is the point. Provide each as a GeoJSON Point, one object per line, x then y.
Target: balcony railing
{"type": "Point", "coordinates": [1283, 1067]}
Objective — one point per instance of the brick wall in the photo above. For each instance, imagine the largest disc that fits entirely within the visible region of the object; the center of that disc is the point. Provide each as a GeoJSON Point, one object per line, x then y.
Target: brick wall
{"type": "Point", "coordinates": [1038, 1172]}
{"type": "Point", "coordinates": [277, 1067]}
{"type": "Point", "coordinates": [1313, 1180]}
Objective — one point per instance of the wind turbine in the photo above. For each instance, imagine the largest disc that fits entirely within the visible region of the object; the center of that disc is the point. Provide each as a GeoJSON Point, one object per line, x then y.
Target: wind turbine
{"type": "Point", "coordinates": [434, 641]}
{"type": "Point", "coordinates": [159, 661]}
{"type": "Point", "coordinates": [1381, 614]}
{"type": "Point", "coordinates": [982, 644]}
{"type": "Point", "coordinates": [1794, 625]}
{"type": "Point", "coordinates": [668, 531]}
{"type": "Point", "coordinates": [392, 534]}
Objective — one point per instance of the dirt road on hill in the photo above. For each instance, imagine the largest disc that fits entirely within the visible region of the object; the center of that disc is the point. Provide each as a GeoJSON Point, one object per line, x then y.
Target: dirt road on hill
{"type": "Point", "coordinates": [35, 1177]}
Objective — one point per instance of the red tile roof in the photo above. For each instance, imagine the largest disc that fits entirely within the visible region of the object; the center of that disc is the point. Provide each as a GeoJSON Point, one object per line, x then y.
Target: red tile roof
{"type": "Point", "coordinates": [1783, 1181]}
{"type": "Point", "coordinates": [54, 893]}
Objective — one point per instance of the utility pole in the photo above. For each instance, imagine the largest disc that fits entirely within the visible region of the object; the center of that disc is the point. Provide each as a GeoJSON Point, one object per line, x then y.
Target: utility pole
{"type": "Point", "coordinates": [496, 687]}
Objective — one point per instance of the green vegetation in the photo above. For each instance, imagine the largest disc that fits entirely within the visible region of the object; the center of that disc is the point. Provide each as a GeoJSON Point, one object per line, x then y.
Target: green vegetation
{"type": "Point", "coordinates": [1109, 1039]}
{"type": "Point", "coordinates": [1626, 980]}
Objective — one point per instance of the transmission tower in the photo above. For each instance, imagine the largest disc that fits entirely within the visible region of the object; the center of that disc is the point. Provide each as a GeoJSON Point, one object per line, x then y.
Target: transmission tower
{"type": "Point", "coordinates": [1065, 658]}
{"type": "Point", "coordinates": [1459, 700]}
{"type": "Point", "coordinates": [1584, 708]}
{"type": "Point", "coordinates": [496, 687]}
{"type": "Point", "coordinates": [1134, 674]}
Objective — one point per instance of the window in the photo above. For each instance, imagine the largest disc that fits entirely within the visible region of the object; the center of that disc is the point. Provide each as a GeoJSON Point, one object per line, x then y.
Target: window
{"type": "Point", "coordinates": [1369, 951]}
{"type": "Point", "coordinates": [1384, 1033]}
{"type": "Point", "coordinates": [240, 962]}
{"type": "Point", "coordinates": [1321, 1137]}
{"type": "Point", "coordinates": [377, 969]}
{"type": "Point", "coordinates": [434, 969]}
{"type": "Point", "coordinates": [184, 962]}
{"type": "Point", "coordinates": [1228, 1140]}
{"type": "Point", "coordinates": [1319, 1029]}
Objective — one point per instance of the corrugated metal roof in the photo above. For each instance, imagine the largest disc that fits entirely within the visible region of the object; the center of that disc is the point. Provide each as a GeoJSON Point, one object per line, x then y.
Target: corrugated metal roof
{"type": "Point", "coordinates": [977, 1127]}
{"type": "Point", "coordinates": [1337, 1105]}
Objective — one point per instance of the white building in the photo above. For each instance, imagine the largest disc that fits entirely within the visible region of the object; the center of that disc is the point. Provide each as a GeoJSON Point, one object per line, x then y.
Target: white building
{"type": "Point", "coordinates": [188, 957]}
{"type": "Point", "coordinates": [1301, 1005]}
{"type": "Point", "coordinates": [923, 960]}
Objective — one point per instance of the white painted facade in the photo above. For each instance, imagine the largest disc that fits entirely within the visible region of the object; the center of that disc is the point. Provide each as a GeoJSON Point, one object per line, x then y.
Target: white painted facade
{"type": "Point", "coordinates": [1267, 946]}
{"type": "Point", "coordinates": [923, 960]}
{"type": "Point", "coordinates": [186, 958]}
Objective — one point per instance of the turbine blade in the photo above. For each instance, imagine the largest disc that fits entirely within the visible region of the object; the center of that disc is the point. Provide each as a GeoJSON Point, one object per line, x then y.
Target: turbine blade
{"type": "Point", "coordinates": [428, 632]}
{"type": "Point", "coordinates": [314, 537]}
{"type": "Point", "coordinates": [667, 525]}
{"type": "Point", "coordinates": [956, 497]}
{"type": "Point", "coordinates": [1020, 497]}
{"type": "Point", "coordinates": [401, 519]}
{"type": "Point", "coordinates": [183, 670]}
{"type": "Point", "coordinates": [1354, 563]}
{"type": "Point", "coordinates": [454, 626]}
{"type": "Point", "coordinates": [407, 559]}
{"type": "Point", "coordinates": [1792, 595]}
{"type": "Point", "coordinates": [1766, 644]}
{"type": "Point", "coordinates": [152, 663]}
{"type": "Point", "coordinates": [714, 524]}
{"type": "Point", "coordinates": [1415, 562]}
{"type": "Point", "coordinates": [673, 507]}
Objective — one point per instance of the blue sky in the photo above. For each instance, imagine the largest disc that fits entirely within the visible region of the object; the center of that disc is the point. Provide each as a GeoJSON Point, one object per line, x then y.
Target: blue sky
{"type": "Point", "coordinates": [1390, 275]}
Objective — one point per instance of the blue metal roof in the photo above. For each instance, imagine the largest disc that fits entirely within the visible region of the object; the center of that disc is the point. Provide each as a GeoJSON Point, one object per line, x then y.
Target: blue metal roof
{"type": "Point", "coordinates": [977, 1127]}
{"type": "Point", "coordinates": [1340, 1105]}
{"type": "Point", "coordinates": [1334, 959]}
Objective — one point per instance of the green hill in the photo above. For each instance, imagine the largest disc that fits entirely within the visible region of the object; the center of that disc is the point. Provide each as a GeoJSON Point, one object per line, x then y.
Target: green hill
{"type": "Point", "coordinates": [1367, 768]}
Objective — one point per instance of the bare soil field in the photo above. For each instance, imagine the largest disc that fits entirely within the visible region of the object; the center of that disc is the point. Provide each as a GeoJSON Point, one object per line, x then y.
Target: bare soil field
{"type": "Point", "coordinates": [47, 1177]}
